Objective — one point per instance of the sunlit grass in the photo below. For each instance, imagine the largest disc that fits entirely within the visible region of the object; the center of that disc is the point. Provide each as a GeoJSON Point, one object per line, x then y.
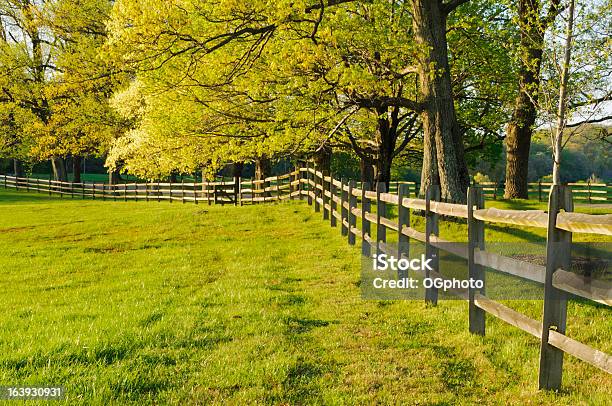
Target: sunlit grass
{"type": "Point", "coordinates": [182, 304]}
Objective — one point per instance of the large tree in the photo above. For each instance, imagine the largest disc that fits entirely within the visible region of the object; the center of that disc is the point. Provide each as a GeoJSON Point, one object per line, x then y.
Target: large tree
{"type": "Point", "coordinates": [533, 20]}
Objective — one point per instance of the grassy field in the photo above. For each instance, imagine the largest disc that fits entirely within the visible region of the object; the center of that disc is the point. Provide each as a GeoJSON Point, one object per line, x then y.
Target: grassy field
{"type": "Point", "coordinates": [181, 304]}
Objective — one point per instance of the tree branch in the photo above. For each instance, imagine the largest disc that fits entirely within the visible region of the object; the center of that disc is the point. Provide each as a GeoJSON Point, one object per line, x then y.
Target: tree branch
{"type": "Point", "coordinates": [451, 5]}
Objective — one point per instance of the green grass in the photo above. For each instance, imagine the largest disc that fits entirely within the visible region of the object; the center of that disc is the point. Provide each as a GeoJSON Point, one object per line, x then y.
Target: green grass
{"type": "Point", "coordinates": [181, 304]}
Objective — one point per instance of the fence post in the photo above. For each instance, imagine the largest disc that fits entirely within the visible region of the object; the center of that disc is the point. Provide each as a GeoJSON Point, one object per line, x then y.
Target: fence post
{"type": "Point", "coordinates": [332, 202]}
{"type": "Point", "coordinates": [475, 241]}
{"type": "Point", "coordinates": [316, 191]}
{"type": "Point", "coordinates": [325, 187]}
{"type": "Point", "coordinates": [352, 219]}
{"type": "Point", "coordinates": [299, 178]}
{"type": "Point", "coordinates": [82, 190]}
{"type": "Point", "coordinates": [381, 211]}
{"type": "Point", "coordinates": [291, 180]}
{"type": "Point", "coordinates": [252, 191]}
{"type": "Point", "coordinates": [158, 191]}
{"type": "Point", "coordinates": [431, 228]}
{"type": "Point", "coordinates": [589, 189]}
{"type": "Point", "coordinates": [5, 181]}
{"type": "Point", "coordinates": [366, 229]}
{"type": "Point", "coordinates": [238, 196]}
{"type": "Point", "coordinates": [182, 190]}
{"type": "Point", "coordinates": [278, 189]}
{"type": "Point", "coordinates": [343, 210]}
{"type": "Point", "coordinates": [403, 220]}
{"type": "Point", "coordinates": [308, 182]}
{"type": "Point", "coordinates": [125, 190]}
{"type": "Point", "coordinates": [539, 190]}
{"type": "Point", "coordinates": [558, 255]}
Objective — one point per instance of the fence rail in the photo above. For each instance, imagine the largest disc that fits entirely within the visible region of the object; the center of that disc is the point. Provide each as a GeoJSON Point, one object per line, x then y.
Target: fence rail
{"type": "Point", "coordinates": [342, 203]}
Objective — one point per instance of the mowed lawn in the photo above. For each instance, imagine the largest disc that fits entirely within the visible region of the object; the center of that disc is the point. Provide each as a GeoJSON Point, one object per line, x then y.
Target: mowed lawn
{"type": "Point", "coordinates": [181, 304]}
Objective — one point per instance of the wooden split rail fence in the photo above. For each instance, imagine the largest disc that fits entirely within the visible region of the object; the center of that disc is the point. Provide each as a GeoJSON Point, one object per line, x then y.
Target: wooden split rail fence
{"type": "Point", "coordinates": [584, 192]}
{"type": "Point", "coordinates": [238, 191]}
{"type": "Point", "coordinates": [342, 203]}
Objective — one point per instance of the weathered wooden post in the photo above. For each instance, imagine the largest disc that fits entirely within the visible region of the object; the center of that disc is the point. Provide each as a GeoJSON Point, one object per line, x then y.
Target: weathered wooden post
{"type": "Point", "coordinates": [352, 219]}
{"type": "Point", "coordinates": [299, 178]}
{"type": "Point", "coordinates": [343, 210]}
{"type": "Point", "coordinates": [239, 190]}
{"type": "Point", "coordinates": [381, 211]}
{"type": "Point", "coordinates": [182, 190]}
{"type": "Point", "coordinates": [326, 187]}
{"type": "Point", "coordinates": [82, 190]}
{"type": "Point", "coordinates": [308, 183]}
{"type": "Point", "coordinates": [252, 191]}
{"type": "Point", "coordinates": [558, 256]}
{"type": "Point", "coordinates": [431, 228]}
{"type": "Point", "coordinates": [291, 181]}
{"type": "Point", "coordinates": [403, 220]}
{"type": "Point", "coordinates": [158, 191]}
{"type": "Point", "coordinates": [589, 190]}
{"type": "Point", "coordinates": [317, 205]}
{"type": "Point", "coordinates": [366, 229]}
{"type": "Point", "coordinates": [476, 272]}
{"type": "Point", "coordinates": [332, 202]}
{"type": "Point", "coordinates": [539, 190]}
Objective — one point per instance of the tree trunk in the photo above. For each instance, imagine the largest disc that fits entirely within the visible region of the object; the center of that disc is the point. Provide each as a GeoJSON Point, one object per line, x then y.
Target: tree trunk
{"type": "Point", "coordinates": [76, 169]}
{"type": "Point", "coordinates": [173, 178]}
{"type": "Point", "coordinates": [58, 165]}
{"type": "Point", "coordinates": [263, 169]}
{"type": "Point", "coordinates": [520, 128]}
{"type": "Point", "coordinates": [367, 171]}
{"type": "Point", "coordinates": [386, 138]}
{"type": "Point", "coordinates": [518, 144]}
{"type": "Point", "coordinates": [114, 177]}
{"type": "Point", "coordinates": [237, 168]}
{"type": "Point", "coordinates": [439, 118]}
{"type": "Point", "coordinates": [18, 168]}
{"type": "Point", "coordinates": [429, 173]}
{"type": "Point", "coordinates": [322, 159]}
